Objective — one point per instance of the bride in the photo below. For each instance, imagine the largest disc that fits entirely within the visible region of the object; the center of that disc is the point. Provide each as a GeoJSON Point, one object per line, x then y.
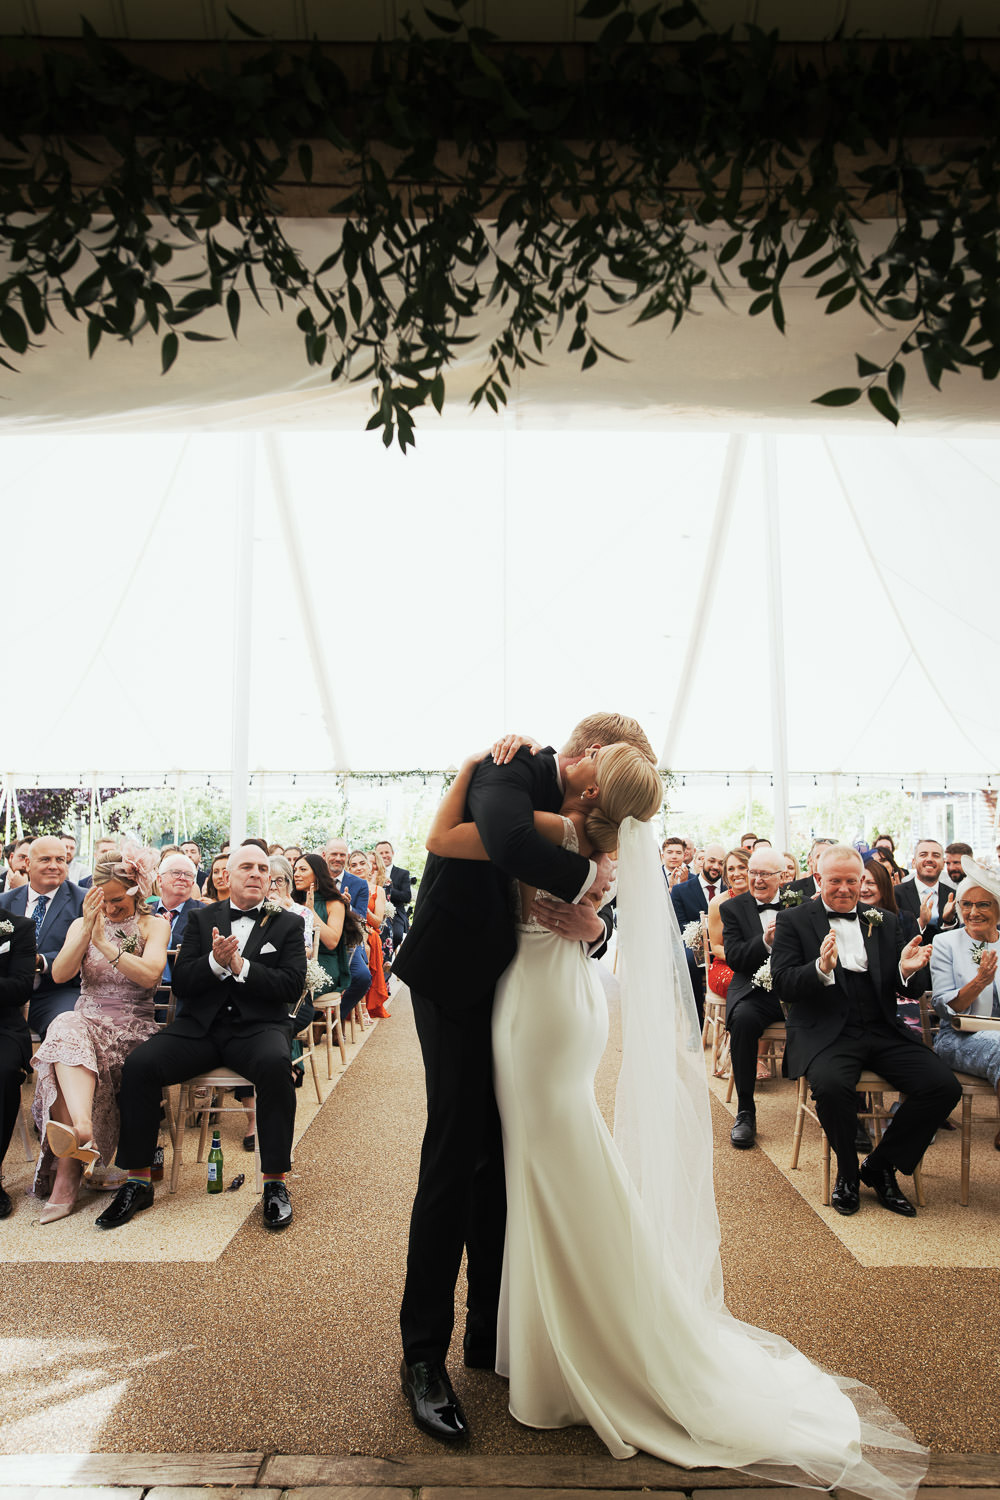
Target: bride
{"type": "Point", "coordinates": [612, 1310]}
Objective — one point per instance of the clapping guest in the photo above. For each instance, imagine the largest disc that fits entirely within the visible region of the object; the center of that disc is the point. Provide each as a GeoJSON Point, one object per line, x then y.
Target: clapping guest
{"type": "Point", "coordinates": [282, 885]}
{"type": "Point", "coordinates": [748, 923]}
{"type": "Point", "coordinates": [314, 888]}
{"type": "Point", "coordinates": [964, 977]}
{"type": "Point", "coordinates": [672, 857]}
{"type": "Point", "coordinates": [119, 950]}
{"type": "Point", "coordinates": [399, 892]}
{"type": "Point", "coordinates": [378, 994]}
{"type": "Point", "coordinates": [925, 895]}
{"type": "Point", "coordinates": [178, 898]}
{"type": "Point", "coordinates": [737, 882]}
{"type": "Point", "coordinates": [877, 890]}
{"type": "Point", "coordinates": [356, 889]}
{"type": "Point", "coordinates": [53, 903]}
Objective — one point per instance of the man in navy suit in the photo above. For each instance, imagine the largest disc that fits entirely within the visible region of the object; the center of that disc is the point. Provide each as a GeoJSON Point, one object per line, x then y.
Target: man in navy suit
{"type": "Point", "coordinates": [399, 892]}
{"type": "Point", "coordinates": [335, 854]}
{"type": "Point", "coordinates": [176, 879]}
{"type": "Point", "coordinates": [53, 903]}
{"type": "Point", "coordinates": [16, 855]}
{"type": "Point", "coordinates": [691, 898]}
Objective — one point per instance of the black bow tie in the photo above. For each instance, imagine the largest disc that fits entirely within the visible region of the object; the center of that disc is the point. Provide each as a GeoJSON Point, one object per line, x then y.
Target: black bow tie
{"type": "Point", "coordinates": [768, 905]}
{"type": "Point", "coordinates": [235, 913]}
{"type": "Point", "coordinates": [842, 916]}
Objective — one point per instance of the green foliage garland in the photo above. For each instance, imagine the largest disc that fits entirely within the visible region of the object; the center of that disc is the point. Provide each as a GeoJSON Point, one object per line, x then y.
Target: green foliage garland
{"type": "Point", "coordinates": [624, 186]}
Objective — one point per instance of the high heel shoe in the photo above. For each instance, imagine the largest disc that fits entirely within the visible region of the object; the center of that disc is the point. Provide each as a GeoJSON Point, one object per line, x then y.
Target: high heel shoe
{"type": "Point", "coordinates": [53, 1211]}
{"type": "Point", "coordinates": [62, 1143]}
{"type": "Point", "coordinates": [90, 1156]}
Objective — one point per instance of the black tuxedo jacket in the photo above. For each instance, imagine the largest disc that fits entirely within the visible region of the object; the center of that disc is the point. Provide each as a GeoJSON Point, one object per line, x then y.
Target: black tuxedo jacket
{"type": "Point", "coordinates": [908, 899]}
{"type": "Point", "coordinates": [65, 906]}
{"type": "Point", "coordinates": [806, 884]}
{"type": "Point", "coordinates": [817, 1013]}
{"type": "Point", "coordinates": [743, 940]}
{"type": "Point", "coordinates": [399, 892]}
{"type": "Point", "coordinates": [462, 937]}
{"type": "Point", "coordinates": [17, 976]}
{"type": "Point", "coordinates": [690, 900]}
{"type": "Point", "coordinates": [272, 987]}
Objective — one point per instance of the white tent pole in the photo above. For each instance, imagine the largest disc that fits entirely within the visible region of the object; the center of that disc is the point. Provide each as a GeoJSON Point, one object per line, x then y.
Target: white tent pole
{"type": "Point", "coordinates": [310, 623]}
{"type": "Point", "coordinates": [776, 654]}
{"type": "Point", "coordinates": [17, 811]}
{"type": "Point", "coordinates": [243, 646]}
{"type": "Point", "coordinates": [706, 593]}
{"type": "Point", "coordinates": [835, 807]}
{"type": "Point", "coordinates": [5, 807]}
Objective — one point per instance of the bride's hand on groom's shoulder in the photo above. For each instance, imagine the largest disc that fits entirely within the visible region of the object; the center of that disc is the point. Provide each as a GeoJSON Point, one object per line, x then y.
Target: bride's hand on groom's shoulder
{"type": "Point", "coordinates": [504, 750]}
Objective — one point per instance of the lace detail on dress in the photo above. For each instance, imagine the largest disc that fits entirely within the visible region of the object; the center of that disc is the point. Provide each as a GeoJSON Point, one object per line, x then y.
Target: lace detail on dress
{"type": "Point", "coordinates": [570, 842]}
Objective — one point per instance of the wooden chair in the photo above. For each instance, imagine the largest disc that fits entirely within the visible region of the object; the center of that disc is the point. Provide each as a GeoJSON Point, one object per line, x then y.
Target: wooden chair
{"type": "Point", "coordinates": [328, 1005]}
{"type": "Point", "coordinates": [774, 1050]}
{"type": "Point", "coordinates": [714, 1029]}
{"type": "Point", "coordinates": [306, 1039]}
{"type": "Point", "coordinates": [877, 1115]}
{"type": "Point", "coordinates": [22, 1125]}
{"type": "Point", "coordinates": [214, 1082]}
{"type": "Point", "coordinates": [973, 1087]}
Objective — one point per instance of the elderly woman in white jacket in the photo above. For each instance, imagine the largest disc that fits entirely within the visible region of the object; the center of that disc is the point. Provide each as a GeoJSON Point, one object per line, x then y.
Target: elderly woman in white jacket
{"type": "Point", "coordinates": [964, 977]}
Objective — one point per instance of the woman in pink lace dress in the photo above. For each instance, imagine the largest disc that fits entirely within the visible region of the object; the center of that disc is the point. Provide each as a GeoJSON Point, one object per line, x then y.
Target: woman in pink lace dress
{"type": "Point", "coordinates": [120, 951]}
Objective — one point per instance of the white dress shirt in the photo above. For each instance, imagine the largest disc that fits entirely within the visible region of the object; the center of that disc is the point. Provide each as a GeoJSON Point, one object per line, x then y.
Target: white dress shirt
{"type": "Point", "coordinates": [240, 929]}
{"type": "Point", "coordinates": [851, 953]}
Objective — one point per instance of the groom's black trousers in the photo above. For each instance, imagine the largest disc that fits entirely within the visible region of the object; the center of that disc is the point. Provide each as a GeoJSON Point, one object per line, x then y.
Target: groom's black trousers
{"type": "Point", "coordinates": [461, 1199]}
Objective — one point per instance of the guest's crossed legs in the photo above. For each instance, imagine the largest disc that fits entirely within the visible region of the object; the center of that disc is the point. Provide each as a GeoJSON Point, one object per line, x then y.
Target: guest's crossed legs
{"type": "Point", "coordinates": [264, 1057]}
{"type": "Point", "coordinates": [461, 1199]}
{"type": "Point", "coordinates": [929, 1088]}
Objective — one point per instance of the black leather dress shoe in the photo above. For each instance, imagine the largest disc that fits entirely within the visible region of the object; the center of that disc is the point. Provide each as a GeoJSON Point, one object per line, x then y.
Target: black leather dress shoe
{"type": "Point", "coordinates": [882, 1181]}
{"type": "Point", "coordinates": [277, 1206]}
{"type": "Point", "coordinates": [435, 1407]}
{"type": "Point", "coordinates": [131, 1198]}
{"type": "Point", "coordinates": [844, 1197]}
{"type": "Point", "coordinates": [862, 1140]}
{"type": "Point", "coordinates": [480, 1352]}
{"type": "Point", "coordinates": [6, 1207]}
{"type": "Point", "coordinates": [744, 1132]}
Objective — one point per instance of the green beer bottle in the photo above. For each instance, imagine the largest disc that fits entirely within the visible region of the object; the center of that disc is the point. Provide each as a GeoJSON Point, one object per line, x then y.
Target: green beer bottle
{"type": "Point", "coordinates": [215, 1184]}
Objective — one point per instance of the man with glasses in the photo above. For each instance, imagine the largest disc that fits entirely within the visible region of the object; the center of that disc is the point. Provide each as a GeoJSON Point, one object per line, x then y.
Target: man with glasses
{"type": "Point", "coordinates": [747, 936]}
{"type": "Point", "coordinates": [177, 899]}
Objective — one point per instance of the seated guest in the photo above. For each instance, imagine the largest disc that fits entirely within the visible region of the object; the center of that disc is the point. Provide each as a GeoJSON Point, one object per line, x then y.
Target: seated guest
{"type": "Point", "coordinates": [119, 950]}
{"type": "Point", "coordinates": [16, 857]}
{"type": "Point", "coordinates": [17, 975]}
{"type": "Point", "coordinates": [399, 892]}
{"type": "Point", "coordinates": [953, 862]}
{"type": "Point", "coordinates": [103, 847]}
{"type": "Point", "coordinates": [837, 968]}
{"type": "Point", "coordinates": [809, 884]}
{"type": "Point", "coordinates": [690, 899]}
{"type": "Point", "coordinates": [888, 843]}
{"type": "Point", "coordinates": [886, 860]}
{"type": "Point", "coordinates": [737, 882]}
{"type": "Point", "coordinates": [53, 903]}
{"type": "Point", "coordinates": [240, 972]}
{"type": "Point", "coordinates": [672, 858]}
{"type": "Point", "coordinates": [75, 868]}
{"type": "Point", "coordinates": [925, 895]}
{"type": "Point", "coordinates": [217, 884]}
{"type": "Point", "coordinates": [790, 871]}
{"type": "Point", "coordinates": [747, 842]}
{"type": "Point", "coordinates": [335, 922]}
{"type": "Point", "coordinates": [747, 935]}
{"type": "Point", "coordinates": [193, 852]}
{"type": "Point", "coordinates": [877, 890]}
{"type": "Point", "coordinates": [964, 977]}
{"type": "Point", "coordinates": [378, 993]}
{"type": "Point", "coordinates": [274, 849]}
{"type": "Point", "coordinates": [292, 853]}
{"type": "Point", "coordinates": [335, 854]}
{"type": "Point", "coordinates": [178, 898]}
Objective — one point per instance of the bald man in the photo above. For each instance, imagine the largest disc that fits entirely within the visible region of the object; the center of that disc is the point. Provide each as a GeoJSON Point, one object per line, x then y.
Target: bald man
{"type": "Point", "coordinates": [52, 902]}
{"type": "Point", "coordinates": [747, 936]}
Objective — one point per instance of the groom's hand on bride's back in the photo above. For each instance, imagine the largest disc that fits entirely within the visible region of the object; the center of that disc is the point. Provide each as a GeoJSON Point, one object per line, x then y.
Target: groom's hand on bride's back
{"type": "Point", "coordinates": [605, 875]}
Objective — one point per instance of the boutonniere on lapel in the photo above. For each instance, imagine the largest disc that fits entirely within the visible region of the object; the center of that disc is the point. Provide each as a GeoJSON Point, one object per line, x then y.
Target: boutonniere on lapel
{"type": "Point", "coordinates": [791, 898]}
{"type": "Point", "coordinates": [8, 927]}
{"type": "Point", "coordinates": [874, 919]}
{"type": "Point", "coordinates": [978, 951]}
{"type": "Point", "coordinates": [270, 909]}
{"type": "Point", "coordinates": [763, 976]}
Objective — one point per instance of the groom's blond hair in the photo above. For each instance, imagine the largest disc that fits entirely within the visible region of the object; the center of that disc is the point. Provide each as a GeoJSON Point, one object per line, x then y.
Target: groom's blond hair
{"type": "Point", "coordinates": [608, 729]}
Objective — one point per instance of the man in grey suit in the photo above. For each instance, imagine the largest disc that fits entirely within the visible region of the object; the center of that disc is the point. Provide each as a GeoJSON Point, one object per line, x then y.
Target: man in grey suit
{"type": "Point", "coordinates": [52, 902]}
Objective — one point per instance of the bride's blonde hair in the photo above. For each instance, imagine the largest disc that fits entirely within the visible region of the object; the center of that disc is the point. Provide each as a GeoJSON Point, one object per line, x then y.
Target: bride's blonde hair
{"type": "Point", "coordinates": [630, 787]}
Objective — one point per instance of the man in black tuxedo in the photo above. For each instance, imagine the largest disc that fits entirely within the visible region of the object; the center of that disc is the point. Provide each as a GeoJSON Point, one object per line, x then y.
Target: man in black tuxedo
{"type": "Point", "coordinates": [461, 940]}
{"type": "Point", "coordinates": [837, 967]}
{"type": "Point", "coordinates": [748, 924]}
{"type": "Point", "coordinates": [397, 890]}
{"type": "Point", "coordinates": [17, 975]}
{"type": "Point", "coordinates": [240, 971]}
{"type": "Point", "coordinates": [52, 903]}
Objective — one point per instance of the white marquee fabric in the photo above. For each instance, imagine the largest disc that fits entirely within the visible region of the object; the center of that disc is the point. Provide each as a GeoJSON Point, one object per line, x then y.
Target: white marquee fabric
{"type": "Point", "coordinates": [496, 578]}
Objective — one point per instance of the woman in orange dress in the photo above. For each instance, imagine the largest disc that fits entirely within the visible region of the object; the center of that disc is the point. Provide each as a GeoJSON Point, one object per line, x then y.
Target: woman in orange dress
{"type": "Point", "coordinates": [737, 881]}
{"type": "Point", "coordinates": [371, 870]}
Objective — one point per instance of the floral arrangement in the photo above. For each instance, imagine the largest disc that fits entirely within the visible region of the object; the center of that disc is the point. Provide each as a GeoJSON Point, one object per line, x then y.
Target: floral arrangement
{"type": "Point", "coordinates": [691, 937]}
{"type": "Point", "coordinates": [791, 898]}
{"type": "Point", "coordinates": [763, 976]}
{"type": "Point", "coordinates": [6, 927]}
{"type": "Point", "coordinates": [128, 942]}
{"type": "Point", "coordinates": [979, 952]}
{"type": "Point", "coordinates": [317, 979]}
{"type": "Point", "coordinates": [873, 917]}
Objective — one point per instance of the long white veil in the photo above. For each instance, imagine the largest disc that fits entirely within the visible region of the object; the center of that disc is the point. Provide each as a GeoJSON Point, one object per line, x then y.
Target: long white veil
{"type": "Point", "coordinates": [664, 1133]}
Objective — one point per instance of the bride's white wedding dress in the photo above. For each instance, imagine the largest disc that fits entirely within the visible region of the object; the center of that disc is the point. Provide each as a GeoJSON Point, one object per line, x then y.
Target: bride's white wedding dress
{"type": "Point", "coordinates": [611, 1311]}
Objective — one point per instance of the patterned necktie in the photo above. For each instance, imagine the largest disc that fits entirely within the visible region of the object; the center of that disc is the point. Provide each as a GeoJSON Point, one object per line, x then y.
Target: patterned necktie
{"type": "Point", "coordinates": [40, 906]}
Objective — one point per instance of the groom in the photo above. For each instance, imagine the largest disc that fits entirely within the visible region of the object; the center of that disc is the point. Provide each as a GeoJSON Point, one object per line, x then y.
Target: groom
{"type": "Point", "coordinates": [461, 940]}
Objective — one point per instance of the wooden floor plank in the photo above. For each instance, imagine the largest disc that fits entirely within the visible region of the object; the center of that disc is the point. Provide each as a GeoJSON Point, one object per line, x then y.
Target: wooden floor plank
{"type": "Point", "coordinates": [144, 1469]}
{"type": "Point", "coordinates": [452, 1471]}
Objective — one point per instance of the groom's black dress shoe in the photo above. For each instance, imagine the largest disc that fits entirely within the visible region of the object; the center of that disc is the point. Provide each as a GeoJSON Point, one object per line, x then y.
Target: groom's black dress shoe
{"type": "Point", "coordinates": [131, 1198]}
{"type": "Point", "coordinates": [744, 1132]}
{"type": "Point", "coordinates": [882, 1180]}
{"type": "Point", "coordinates": [845, 1198]}
{"type": "Point", "coordinates": [479, 1351]}
{"type": "Point", "coordinates": [6, 1207]}
{"type": "Point", "coordinates": [435, 1407]}
{"type": "Point", "coordinates": [277, 1206]}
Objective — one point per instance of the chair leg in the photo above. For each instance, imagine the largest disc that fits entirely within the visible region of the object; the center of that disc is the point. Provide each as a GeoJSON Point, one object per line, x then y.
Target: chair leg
{"type": "Point", "coordinates": [340, 1042]}
{"type": "Point", "coordinates": [177, 1136]}
{"type": "Point", "coordinates": [730, 1085]}
{"type": "Point", "coordinates": [206, 1116]}
{"type": "Point", "coordinates": [918, 1184]}
{"type": "Point", "coordinates": [328, 1017]}
{"type": "Point", "coordinates": [800, 1120]}
{"type": "Point", "coordinates": [29, 1155]}
{"type": "Point", "coordinates": [963, 1196]}
{"type": "Point", "coordinates": [826, 1170]}
{"type": "Point", "coordinates": [312, 1064]}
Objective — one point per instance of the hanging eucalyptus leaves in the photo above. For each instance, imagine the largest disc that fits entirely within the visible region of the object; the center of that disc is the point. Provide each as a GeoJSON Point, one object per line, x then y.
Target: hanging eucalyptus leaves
{"type": "Point", "coordinates": [483, 181]}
